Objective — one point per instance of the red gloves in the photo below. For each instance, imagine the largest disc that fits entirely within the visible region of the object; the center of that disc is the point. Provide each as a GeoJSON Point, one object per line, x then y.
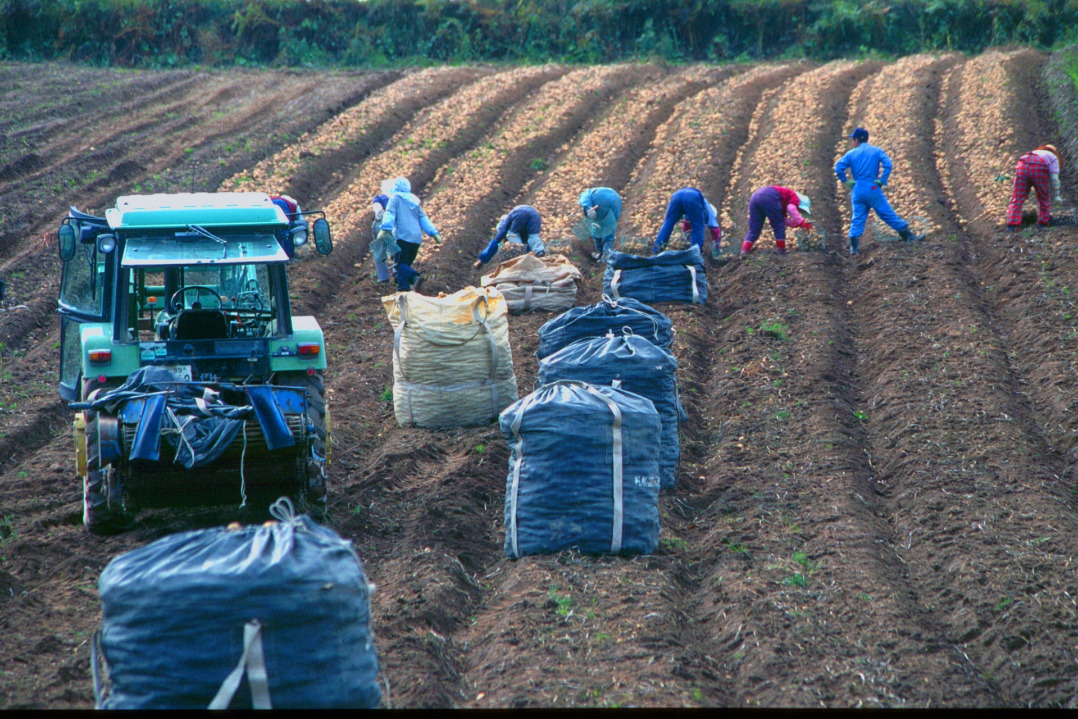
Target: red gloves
{"type": "Point", "coordinates": [807, 226]}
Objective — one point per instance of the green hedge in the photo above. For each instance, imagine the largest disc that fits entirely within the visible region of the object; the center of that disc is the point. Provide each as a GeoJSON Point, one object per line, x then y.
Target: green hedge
{"type": "Point", "coordinates": [322, 33]}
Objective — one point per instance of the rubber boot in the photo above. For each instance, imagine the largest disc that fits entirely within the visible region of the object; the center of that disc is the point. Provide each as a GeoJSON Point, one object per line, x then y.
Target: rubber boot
{"type": "Point", "coordinates": [855, 245]}
{"type": "Point", "coordinates": [907, 234]}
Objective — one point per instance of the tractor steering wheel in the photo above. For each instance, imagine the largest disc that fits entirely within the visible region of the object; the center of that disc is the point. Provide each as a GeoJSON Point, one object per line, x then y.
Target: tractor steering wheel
{"type": "Point", "coordinates": [173, 302]}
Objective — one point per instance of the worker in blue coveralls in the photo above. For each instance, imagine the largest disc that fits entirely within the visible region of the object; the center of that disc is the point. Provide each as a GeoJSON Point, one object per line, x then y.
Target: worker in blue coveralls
{"type": "Point", "coordinates": [522, 225]}
{"type": "Point", "coordinates": [406, 221]}
{"type": "Point", "coordinates": [687, 203]}
{"type": "Point", "coordinates": [871, 168]}
{"type": "Point", "coordinates": [602, 207]}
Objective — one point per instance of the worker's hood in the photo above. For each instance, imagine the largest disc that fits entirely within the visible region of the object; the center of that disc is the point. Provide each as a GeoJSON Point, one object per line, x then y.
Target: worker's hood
{"type": "Point", "coordinates": [409, 198]}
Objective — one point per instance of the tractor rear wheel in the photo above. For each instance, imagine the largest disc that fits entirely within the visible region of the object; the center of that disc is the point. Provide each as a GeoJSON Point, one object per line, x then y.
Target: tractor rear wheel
{"type": "Point", "coordinates": [318, 415]}
{"type": "Point", "coordinates": [103, 510]}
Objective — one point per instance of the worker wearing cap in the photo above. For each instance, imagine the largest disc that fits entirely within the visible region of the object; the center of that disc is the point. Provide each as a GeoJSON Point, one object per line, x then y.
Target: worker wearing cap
{"type": "Point", "coordinates": [687, 203]}
{"type": "Point", "coordinates": [602, 207]}
{"type": "Point", "coordinates": [521, 225]}
{"type": "Point", "coordinates": [1035, 169]}
{"type": "Point", "coordinates": [780, 206]}
{"type": "Point", "coordinates": [871, 168]}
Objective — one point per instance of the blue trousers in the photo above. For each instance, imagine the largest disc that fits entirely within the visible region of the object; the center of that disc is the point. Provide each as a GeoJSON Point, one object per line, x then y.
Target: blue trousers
{"type": "Point", "coordinates": [688, 205]}
{"type": "Point", "coordinates": [535, 246]}
{"type": "Point", "coordinates": [866, 196]}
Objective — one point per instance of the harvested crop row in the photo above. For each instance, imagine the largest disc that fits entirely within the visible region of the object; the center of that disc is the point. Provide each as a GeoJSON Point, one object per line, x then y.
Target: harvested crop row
{"type": "Point", "coordinates": [428, 132]}
{"type": "Point", "coordinates": [463, 184]}
{"type": "Point", "coordinates": [896, 127]}
{"type": "Point", "coordinates": [601, 147]}
{"type": "Point", "coordinates": [786, 394]}
{"type": "Point", "coordinates": [1040, 324]}
{"type": "Point", "coordinates": [951, 439]}
{"type": "Point", "coordinates": [987, 138]}
{"type": "Point", "coordinates": [777, 158]}
{"type": "Point", "coordinates": [273, 174]}
{"type": "Point", "coordinates": [470, 511]}
{"type": "Point", "coordinates": [684, 150]}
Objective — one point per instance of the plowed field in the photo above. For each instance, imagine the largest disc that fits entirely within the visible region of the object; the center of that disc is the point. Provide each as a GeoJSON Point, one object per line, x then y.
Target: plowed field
{"type": "Point", "coordinates": [876, 503]}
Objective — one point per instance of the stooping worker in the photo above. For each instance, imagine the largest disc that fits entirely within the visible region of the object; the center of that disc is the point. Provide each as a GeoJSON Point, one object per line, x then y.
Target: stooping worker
{"type": "Point", "coordinates": [871, 168]}
{"type": "Point", "coordinates": [522, 225]}
{"type": "Point", "coordinates": [383, 247]}
{"type": "Point", "coordinates": [290, 208]}
{"type": "Point", "coordinates": [714, 232]}
{"type": "Point", "coordinates": [1035, 169]}
{"type": "Point", "coordinates": [688, 203]}
{"type": "Point", "coordinates": [602, 207]}
{"type": "Point", "coordinates": [405, 221]}
{"type": "Point", "coordinates": [782, 207]}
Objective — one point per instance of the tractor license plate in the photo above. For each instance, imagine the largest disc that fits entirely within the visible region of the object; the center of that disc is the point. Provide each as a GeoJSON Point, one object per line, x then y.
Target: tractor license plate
{"type": "Point", "coordinates": [182, 371]}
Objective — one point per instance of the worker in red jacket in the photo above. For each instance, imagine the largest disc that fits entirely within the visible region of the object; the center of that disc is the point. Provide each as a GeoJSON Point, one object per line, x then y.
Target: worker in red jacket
{"type": "Point", "coordinates": [782, 207]}
{"type": "Point", "coordinates": [1038, 170]}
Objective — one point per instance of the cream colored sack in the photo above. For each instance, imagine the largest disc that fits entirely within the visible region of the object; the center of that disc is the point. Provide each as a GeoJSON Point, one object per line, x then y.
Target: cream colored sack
{"type": "Point", "coordinates": [536, 283]}
{"type": "Point", "coordinates": [452, 364]}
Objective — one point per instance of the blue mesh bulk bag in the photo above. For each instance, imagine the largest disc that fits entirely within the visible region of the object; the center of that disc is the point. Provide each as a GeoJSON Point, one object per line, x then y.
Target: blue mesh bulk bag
{"type": "Point", "coordinates": [276, 616]}
{"type": "Point", "coordinates": [598, 319]}
{"type": "Point", "coordinates": [670, 276]}
{"type": "Point", "coordinates": [639, 367]}
{"type": "Point", "coordinates": [583, 471]}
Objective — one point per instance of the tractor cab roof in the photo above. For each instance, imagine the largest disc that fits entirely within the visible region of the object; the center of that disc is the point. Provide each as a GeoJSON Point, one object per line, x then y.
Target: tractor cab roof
{"type": "Point", "coordinates": [205, 209]}
{"type": "Point", "coordinates": [198, 228]}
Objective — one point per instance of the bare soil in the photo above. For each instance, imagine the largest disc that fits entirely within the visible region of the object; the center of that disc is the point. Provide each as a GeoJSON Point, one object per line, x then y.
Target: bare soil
{"type": "Point", "coordinates": [876, 503]}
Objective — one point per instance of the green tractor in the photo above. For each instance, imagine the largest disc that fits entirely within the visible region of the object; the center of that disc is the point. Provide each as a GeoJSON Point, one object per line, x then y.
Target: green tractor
{"type": "Point", "coordinates": [194, 384]}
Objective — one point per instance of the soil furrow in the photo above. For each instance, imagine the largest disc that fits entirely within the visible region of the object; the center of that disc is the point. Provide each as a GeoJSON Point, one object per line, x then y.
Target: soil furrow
{"type": "Point", "coordinates": [574, 609]}
{"type": "Point", "coordinates": [426, 580]}
{"type": "Point", "coordinates": [795, 354]}
{"type": "Point", "coordinates": [933, 375]}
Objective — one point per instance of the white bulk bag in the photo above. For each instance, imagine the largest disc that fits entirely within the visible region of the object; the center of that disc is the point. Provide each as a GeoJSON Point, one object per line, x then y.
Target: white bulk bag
{"type": "Point", "coordinates": [452, 364]}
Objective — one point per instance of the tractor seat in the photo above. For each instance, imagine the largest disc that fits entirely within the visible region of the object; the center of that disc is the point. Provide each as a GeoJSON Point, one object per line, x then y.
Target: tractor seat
{"type": "Point", "coordinates": [200, 324]}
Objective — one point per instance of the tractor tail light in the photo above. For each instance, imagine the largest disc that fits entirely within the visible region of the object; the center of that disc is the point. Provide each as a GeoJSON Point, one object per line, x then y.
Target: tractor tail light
{"type": "Point", "coordinates": [309, 351]}
{"type": "Point", "coordinates": [100, 355]}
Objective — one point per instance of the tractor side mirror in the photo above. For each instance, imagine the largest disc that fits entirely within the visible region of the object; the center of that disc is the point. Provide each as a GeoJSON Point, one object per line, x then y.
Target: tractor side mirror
{"type": "Point", "coordinates": [66, 240]}
{"type": "Point", "coordinates": [322, 241]}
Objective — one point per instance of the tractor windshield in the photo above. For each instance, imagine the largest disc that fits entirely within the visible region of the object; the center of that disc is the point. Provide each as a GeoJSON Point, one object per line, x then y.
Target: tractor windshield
{"type": "Point", "coordinates": [245, 294]}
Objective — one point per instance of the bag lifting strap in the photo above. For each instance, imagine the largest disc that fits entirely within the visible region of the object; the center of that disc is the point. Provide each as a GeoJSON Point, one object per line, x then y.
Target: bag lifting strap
{"type": "Point", "coordinates": [491, 382]}
{"type": "Point", "coordinates": [695, 291]}
{"type": "Point", "coordinates": [618, 468]}
{"type": "Point", "coordinates": [253, 662]}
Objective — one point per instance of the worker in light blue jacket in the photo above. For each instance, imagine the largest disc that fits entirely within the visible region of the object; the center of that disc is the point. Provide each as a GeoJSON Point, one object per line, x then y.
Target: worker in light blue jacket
{"type": "Point", "coordinates": [406, 221]}
{"type": "Point", "coordinates": [602, 208]}
{"type": "Point", "coordinates": [871, 169]}
{"type": "Point", "coordinates": [521, 225]}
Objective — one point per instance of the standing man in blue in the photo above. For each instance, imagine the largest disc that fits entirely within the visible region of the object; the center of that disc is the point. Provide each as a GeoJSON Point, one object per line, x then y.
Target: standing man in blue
{"type": "Point", "coordinates": [687, 203]}
{"type": "Point", "coordinates": [602, 207]}
{"type": "Point", "coordinates": [521, 226]}
{"type": "Point", "coordinates": [865, 162]}
{"type": "Point", "coordinates": [407, 222]}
